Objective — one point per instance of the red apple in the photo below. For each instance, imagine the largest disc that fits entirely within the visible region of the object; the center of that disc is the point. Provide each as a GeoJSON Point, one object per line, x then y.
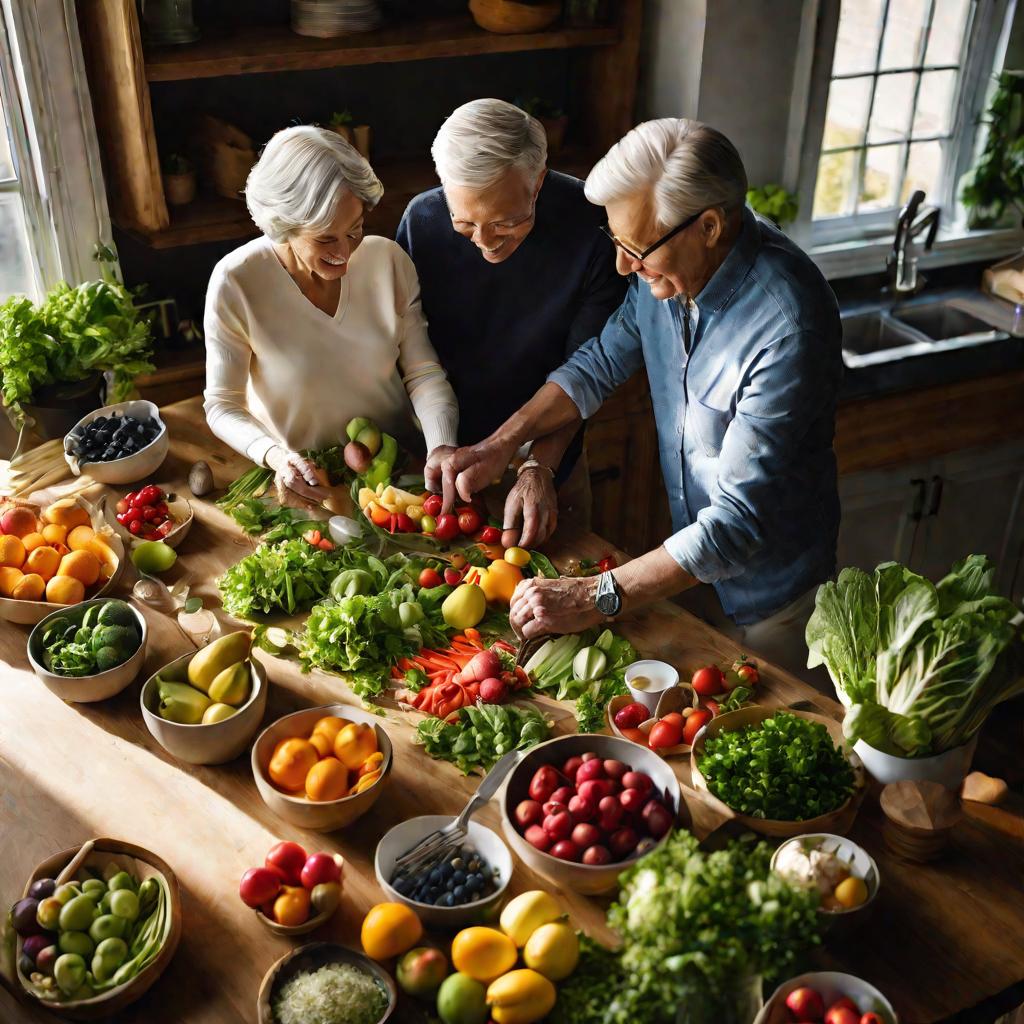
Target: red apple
{"type": "Point", "coordinates": [318, 869]}
{"type": "Point", "coordinates": [631, 799]}
{"type": "Point", "coordinates": [597, 855]}
{"type": "Point", "coordinates": [842, 1015]}
{"type": "Point", "coordinates": [582, 809]}
{"type": "Point", "coordinates": [544, 782]}
{"type": "Point", "coordinates": [258, 885]}
{"type": "Point", "coordinates": [806, 1005]}
{"type": "Point", "coordinates": [563, 795]}
{"type": "Point", "coordinates": [290, 858]}
{"type": "Point", "coordinates": [570, 768]}
{"type": "Point", "coordinates": [565, 849]}
{"type": "Point", "coordinates": [529, 812]}
{"type": "Point", "coordinates": [845, 1003]}
{"type": "Point", "coordinates": [592, 769]}
{"type": "Point", "coordinates": [536, 836]}
{"type": "Point", "coordinates": [585, 835]}
{"type": "Point", "coordinates": [637, 780]}
{"type": "Point", "coordinates": [615, 769]}
{"type": "Point", "coordinates": [623, 842]}
{"type": "Point", "coordinates": [558, 825]}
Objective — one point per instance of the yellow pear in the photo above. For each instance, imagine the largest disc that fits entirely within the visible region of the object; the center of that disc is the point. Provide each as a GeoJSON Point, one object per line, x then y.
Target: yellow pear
{"type": "Point", "coordinates": [232, 685]}
{"type": "Point", "coordinates": [221, 654]}
{"type": "Point", "coordinates": [217, 713]}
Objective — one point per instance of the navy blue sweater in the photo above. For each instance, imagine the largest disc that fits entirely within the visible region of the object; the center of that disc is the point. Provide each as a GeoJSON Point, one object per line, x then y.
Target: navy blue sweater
{"type": "Point", "coordinates": [500, 329]}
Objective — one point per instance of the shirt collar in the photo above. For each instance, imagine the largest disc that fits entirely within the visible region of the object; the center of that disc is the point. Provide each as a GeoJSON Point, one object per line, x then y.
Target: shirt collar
{"type": "Point", "coordinates": [731, 274]}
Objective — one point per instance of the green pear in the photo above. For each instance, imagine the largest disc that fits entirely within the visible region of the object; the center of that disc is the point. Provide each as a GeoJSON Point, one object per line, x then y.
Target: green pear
{"type": "Point", "coordinates": [181, 703]}
{"type": "Point", "coordinates": [221, 654]}
{"type": "Point", "coordinates": [217, 713]}
{"type": "Point", "coordinates": [232, 685]}
{"type": "Point", "coordinates": [356, 424]}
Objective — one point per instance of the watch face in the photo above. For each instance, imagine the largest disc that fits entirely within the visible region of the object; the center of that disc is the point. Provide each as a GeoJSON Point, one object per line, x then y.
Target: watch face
{"type": "Point", "coordinates": [609, 603]}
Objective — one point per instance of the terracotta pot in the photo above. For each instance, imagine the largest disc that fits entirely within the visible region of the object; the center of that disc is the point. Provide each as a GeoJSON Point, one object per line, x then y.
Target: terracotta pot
{"type": "Point", "coordinates": [180, 189]}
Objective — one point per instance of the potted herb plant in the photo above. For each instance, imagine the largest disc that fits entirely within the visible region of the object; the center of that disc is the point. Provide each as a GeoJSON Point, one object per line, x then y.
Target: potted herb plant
{"type": "Point", "coordinates": [179, 180]}
{"type": "Point", "coordinates": [553, 118]}
{"type": "Point", "coordinates": [918, 665]}
{"type": "Point", "coordinates": [774, 203]}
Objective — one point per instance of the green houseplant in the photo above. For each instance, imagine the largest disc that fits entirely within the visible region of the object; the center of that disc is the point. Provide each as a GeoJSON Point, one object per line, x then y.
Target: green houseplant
{"type": "Point", "coordinates": [774, 202]}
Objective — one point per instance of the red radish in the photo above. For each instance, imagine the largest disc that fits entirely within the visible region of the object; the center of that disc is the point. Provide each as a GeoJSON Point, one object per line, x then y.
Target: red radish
{"type": "Point", "coordinates": [290, 858]}
{"type": "Point", "coordinates": [844, 1003]}
{"type": "Point", "coordinates": [570, 768]}
{"type": "Point", "coordinates": [320, 868]}
{"type": "Point", "coordinates": [559, 824]}
{"type": "Point", "coordinates": [806, 1005]}
{"type": "Point", "coordinates": [258, 885]}
{"type": "Point", "coordinates": [610, 813]}
{"type": "Point", "coordinates": [537, 837]}
{"type": "Point", "coordinates": [493, 691]}
{"type": "Point", "coordinates": [615, 769]}
{"type": "Point", "coordinates": [581, 808]}
{"type": "Point", "coordinates": [631, 799]}
{"type": "Point", "coordinates": [623, 842]}
{"type": "Point", "coordinates": [585, 835]}
{"type": "Point", "coordinates": [529, 812]}
{"type": "Point", "coordinates": [544, 782]}
{"type": "Point", "coordinates": [592, 769]}
{"type": "Point", "coordinates": [563, 795]}
{"type": "Point", "coordinates": [484, 665]}
{"type": "Point", "coordinates": [594, 789]}
{"type": "Point", "coordinates": [597, 855]}
{"type": "Point", "coordinates": [588, 756]}
{"type": "Point", "coordinates": [637, 780]}
{"type": "Point", "coordinates": [565, 849]}
{"type": "Point", "coordinates": [452, 577]}
{"type": "Point", "coordinates": [657, 818]}
{"type": "Point", "coordinates": [551, 806]}
{"type": "Point", "coordinates": [842, 1015]}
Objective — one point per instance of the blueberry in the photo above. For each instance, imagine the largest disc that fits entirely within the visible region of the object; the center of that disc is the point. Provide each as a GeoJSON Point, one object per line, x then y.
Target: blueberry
{"type": "Point", "coordinates": [459, 892]}
{"type": "Point", "coordinates": [458, 877]}
{"type": "Point", "coordinates": [436, 876]}
{"type": "Point", "coordinates": [473, 883]}
{"type": "Point", "coordinates": [440, 901]}
{"type": "Point", "coordinates": [446, 870]}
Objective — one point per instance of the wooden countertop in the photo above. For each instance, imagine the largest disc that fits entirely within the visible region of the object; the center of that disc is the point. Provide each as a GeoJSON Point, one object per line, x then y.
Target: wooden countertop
{"type": "Point", "coordinates": [941, 938]}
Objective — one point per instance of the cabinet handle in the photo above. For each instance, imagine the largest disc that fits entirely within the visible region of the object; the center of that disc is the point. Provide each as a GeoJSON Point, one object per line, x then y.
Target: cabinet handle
{"type": "Point", "coordinates": [917, 508]}
{"type": "Point", "coordinates": [599, 476]}
{"type": "Point", "coordinates": [934, 496]}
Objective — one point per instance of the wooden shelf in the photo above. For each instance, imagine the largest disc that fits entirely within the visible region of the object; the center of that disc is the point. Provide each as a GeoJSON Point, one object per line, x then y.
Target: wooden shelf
{"type": "Point", "coordinates": [212, 218]}
{"type": "Point", "coordinates": [255, 50]}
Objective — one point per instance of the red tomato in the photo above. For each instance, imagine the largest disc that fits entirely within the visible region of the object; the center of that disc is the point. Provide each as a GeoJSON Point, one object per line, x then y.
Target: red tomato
{"type": "Point", "coordinates": [447, 528]}
{"type": "Point", "coordinates": [490, 535]}
{"type": "Point", "coordinates": [675, 717]}
{"type": "Point", "coordinates": [665, 734]}
{"type": "Point", "coordinates": [259, 885]}
{"type": "Point", "coordinates": [708, 680]}
{"type": "Point", "coordinates": [430, 578]}
{"type": "Point", "coordinates": [749, 674]}
{"type": "Point", "coordinates": [290, 858]}
{"type": "Point", "coordinates": [469, 520]}
{"type": "Point", "coordinates": [694, 724]}
{"type": "Point", "coordinates": [432, 505]}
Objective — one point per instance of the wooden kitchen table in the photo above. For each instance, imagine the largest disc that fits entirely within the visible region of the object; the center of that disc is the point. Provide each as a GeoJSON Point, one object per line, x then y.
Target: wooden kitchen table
{"type": "Point", "coordinates": [940, 938]}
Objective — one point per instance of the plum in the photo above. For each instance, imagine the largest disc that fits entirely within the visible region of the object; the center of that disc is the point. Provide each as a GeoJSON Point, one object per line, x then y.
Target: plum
{"type": "Point", "coordinates": [23, 917]}
{"type": "Point", "coordinates": [41, 888]}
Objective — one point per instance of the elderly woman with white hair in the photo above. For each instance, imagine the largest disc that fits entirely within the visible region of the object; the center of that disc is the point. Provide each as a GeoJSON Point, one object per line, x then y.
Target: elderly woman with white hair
{"type": "Point", "coordinates": [740, 336]}
{"type": "Point", "coordinates": [312, 323]}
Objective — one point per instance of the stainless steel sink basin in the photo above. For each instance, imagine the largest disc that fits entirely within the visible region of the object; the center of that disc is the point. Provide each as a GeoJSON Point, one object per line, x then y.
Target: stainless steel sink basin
{"type": "Point", "coordinates": [889, 334]}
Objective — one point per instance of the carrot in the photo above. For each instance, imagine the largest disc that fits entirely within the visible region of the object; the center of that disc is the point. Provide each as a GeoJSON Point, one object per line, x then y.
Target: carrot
{"type": "Point", "coordinates": [472, 634]}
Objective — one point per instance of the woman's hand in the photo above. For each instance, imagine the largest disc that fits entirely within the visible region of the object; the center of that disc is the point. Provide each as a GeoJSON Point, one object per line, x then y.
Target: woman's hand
{"type": "Point", "coordinates": [467, 471]}
{"type": "Point", "coordinates": [296, 473]}
{"type": "Point", "coordinates": [433, 468]}
{"type": "Point", "coordinates": [534, 501]}
{"type": "Point", "coordinates": [564, 605]}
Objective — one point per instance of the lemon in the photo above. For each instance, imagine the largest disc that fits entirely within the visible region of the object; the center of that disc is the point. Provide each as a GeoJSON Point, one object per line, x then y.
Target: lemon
{"type": "Point", "coordinates": [851, 892]}
{"type": "Point", "coordinates": [153, 556]}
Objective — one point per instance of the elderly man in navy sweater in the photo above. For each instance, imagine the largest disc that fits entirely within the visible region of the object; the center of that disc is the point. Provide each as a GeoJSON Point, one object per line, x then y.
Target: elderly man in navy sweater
{"type": "Point", "coordinates": [515, 275]}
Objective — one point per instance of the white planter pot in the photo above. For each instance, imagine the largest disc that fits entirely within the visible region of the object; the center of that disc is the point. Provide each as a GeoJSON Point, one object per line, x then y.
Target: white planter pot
{"type": "Point", "coordinates": [948, 769]}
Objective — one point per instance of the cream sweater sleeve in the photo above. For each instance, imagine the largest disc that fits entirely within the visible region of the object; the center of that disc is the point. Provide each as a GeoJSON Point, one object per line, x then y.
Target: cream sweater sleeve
{"type": "Point", "coordinates": [228, 355]}
{"type": "Point", "coordinates": [431, 395]}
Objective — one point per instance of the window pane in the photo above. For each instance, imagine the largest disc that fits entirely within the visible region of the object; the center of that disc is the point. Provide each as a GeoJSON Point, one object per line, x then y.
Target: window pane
{"type": "Point", "coordinates": [6, 163]}
{"type": "Point", "coordinates": [923, 169]}
{"type": "Point", "coordinates": [847, 112]}
{"type": "Point", "coordinates": [934, 112]}
{"type": "Point", "coordinates": [949, 23]}
{"type": "Point", "coordinates": [904, 33]}
{"type": "Point", "coordinates": [860, 22]}
{"type": "Point", "coordinates": [15, 270]}
{"type": "Point", "coordinates": [890, 113]}
{"type": "Point", "coordinates": [881, 177]}
{"type": "Point", "coordinates": [834, 186]}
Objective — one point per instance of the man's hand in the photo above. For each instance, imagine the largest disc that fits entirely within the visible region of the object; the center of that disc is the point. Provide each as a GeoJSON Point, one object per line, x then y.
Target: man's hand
{"type": "Point", "coordinates": [564, 605]}
{"type": "Point", "coordinates": [467, 471]}
{"type": "Point", "coordinates": [297, 474]}
{"type": "Point", "coordinates": [534, 501]}
{"type": "Point", "coordinates": [432, 470]}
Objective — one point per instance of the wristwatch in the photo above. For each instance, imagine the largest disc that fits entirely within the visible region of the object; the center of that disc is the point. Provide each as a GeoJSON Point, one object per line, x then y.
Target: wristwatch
{"type": "Point", "coordinates": [608, 598]}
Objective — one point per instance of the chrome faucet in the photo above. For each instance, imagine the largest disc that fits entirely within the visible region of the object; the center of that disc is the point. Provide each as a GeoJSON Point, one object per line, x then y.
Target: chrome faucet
{"type": "Point", "coordinates": [903, 278]}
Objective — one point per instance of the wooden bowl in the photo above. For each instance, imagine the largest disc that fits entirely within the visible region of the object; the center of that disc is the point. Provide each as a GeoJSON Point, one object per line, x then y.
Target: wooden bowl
{"type": "Point", "coordinates": [675, 698]}
{"type": "Point", "coordinates": [131, 468]}
{"type": "Point", "coordinates": [754, 714]}
{"type": "Point", "coordinates": [143, 864]}
{"type": "Point", "coordinates": [311, 957]}
{"type": "Point", "coordinates": [508, 17]}
{"type": "Point", "coordinates": [317, 815]}
{"type": "Point", "coordinates": [217, 742]}
{"type": "Point", "coordinates": [583, 878]}
{"type": "Point", "coordinates": [85, 689]}
{"type": "Point", "coordinates": [180, 509]}
{"type": "Point", "coordinates": [28, 613]}
{"type": "Point", "coordinates": [290, 931]}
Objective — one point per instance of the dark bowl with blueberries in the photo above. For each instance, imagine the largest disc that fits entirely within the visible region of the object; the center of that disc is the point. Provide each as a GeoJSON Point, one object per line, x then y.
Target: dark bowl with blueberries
{"type": "Point", "coordinates": [118, 444]}
{"type": "Point", "coordinates": [465, 888]}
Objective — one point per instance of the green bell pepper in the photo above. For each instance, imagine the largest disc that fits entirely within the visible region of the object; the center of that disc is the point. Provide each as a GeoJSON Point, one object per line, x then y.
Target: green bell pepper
{"type": "Point", "coordinates": [383, 462]}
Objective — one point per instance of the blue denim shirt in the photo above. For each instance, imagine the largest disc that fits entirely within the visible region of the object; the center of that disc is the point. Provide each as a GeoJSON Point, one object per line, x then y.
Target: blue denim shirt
{"type": "Point", "coordinates": [745, 406]}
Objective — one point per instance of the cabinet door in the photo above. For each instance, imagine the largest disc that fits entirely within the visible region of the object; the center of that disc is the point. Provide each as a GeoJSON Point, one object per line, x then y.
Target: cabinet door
{"type": "Point", "coordinates": [973, 506]}
{"type": "Point", "coordinates": [880, 510]}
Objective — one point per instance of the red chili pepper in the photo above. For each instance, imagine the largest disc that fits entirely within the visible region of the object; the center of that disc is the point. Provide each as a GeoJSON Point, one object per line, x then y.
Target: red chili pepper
{"type": "Point", "coordinates": [607, 563]}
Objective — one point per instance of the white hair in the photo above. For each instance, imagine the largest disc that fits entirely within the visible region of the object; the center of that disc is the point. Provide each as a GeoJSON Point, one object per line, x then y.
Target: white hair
{"type": "Point", "coordinates": [687, 165]}
{"type": "Point", "coordinates": [299, 178]}
{"type": "Point", "coordinates": [482, 139]}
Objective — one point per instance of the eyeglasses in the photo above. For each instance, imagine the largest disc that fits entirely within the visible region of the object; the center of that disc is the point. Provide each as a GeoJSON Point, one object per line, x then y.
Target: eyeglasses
{"type": "Point", "coordinates": [641, 256]}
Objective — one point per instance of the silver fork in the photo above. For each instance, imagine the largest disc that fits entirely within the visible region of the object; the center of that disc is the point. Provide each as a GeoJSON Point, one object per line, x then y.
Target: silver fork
{"type": "Point", "coordinates": [434, 848]}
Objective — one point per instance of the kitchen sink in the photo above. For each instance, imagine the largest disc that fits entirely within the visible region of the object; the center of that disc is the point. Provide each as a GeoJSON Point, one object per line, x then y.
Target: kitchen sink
{"type": "Point", "coordinates": [890, 334]}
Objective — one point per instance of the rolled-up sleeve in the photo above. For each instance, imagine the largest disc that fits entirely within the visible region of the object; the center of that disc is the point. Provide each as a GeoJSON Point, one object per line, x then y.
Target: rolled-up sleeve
{"type": "Point", "coordinates": [605, 362]}
{"type": "Point", "coordinates": [785, 391]}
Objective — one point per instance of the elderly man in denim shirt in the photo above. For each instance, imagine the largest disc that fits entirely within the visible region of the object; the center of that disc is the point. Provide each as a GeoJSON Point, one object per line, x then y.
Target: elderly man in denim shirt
{"type": "Point", "coordinates": [740, 336]}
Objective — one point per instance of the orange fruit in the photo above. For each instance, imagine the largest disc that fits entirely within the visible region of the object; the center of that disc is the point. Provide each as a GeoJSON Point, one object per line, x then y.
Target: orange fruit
{"type": "Point", "coordinates": [44, 561]}
{"type": "Point", "coordinates": [391, 929]}
{"type": "Point", "coordinates": [30, 587]}
{"type": "Point", "coordinates": [67, 512]}
{"type": "Point", "coordinates": [291, 907]}
{"type": "Point", "coordinates": [54, 533]}
{"type": "Point", "coordinates": [61, 549]}
{"type": "Point", "coordinates": [65, 590]}
{"type": "Point", "coordinates": [329, 726]}
{"type": "Point", "coordinates": [79, 538]}
{"type": "Point", "coordinates": [19, 521]}
{"type": "Point", "coordinates": [9, 578]}
{"type": "Point", "coordinates": [327, 780]}
{"type": "Point", "coordinates": [483, 953]}
{"type": "Point", "coordinates": [355, 743]}
{"type": "Point", "coordinates": [12, 551]}
{"type": "Point", "coordinates": [33, 541]}
{"type": "Point", "coordinates": [83, 565]}
{"type": "Point", "coordinates": [322, 742]}
{"type": "Point", "coordinates": [290, 763]}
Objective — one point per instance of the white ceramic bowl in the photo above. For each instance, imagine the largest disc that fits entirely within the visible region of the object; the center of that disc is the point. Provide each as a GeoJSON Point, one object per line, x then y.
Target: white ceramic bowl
{"type": "Point", "coordinates": [831, 985]}
{"type": "Point", "coordinates": [84, 689]}
{"type": "Point", "coordinates": [947, 769]}
{"type": "Point", "coordinates": [179, 508]}
{"type": "Point", "coordinates": [861, 863]}
{"type": "Point", "coordinates": [205, 744]}
{"type": "Point", "coordinates": [404, 836]}
{"type": "Point", "coordinates": [131, 468]}
{"type": "Point", "coordinates": [662, 677]}
{"type": "Point", "coordinates": [317, 815]}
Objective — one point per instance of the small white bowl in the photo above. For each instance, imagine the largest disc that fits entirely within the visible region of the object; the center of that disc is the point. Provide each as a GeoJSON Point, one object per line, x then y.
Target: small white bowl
{"type": "Point", "coordinates": [947, 769]}
{"type": "Point", "coordinates": [217, 742]}
{"type": "Point", "coordinates": [180, 509]}
{"type": "Point", "coordinates": [832, 986]}
{"type": "Point", "coordinates": [85, 689]}
{"type": "Point", "coordinates": [662, 677]}
{"type": "Point", "coordinates": [131, 468]}
{"type": "Point", "coordinates": [404, 836]}
{"type": "Point", "coordinates": [344, 530]}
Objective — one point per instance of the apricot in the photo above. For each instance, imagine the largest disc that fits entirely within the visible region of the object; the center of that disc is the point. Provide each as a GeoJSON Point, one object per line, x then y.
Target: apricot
{"type": "Point", "coordinates": [33, 541]}
{"type": "Point", "coordinates": [83, 565]}
{"type": "Point", "coordinates": [9, 578]}
{"type": "Point", "coordinates": [44, 561]}
{"type": "Point", "coordinates": [30, 587]}
{"type": "Point", "coordinates": [327, 780]}
{"type": "Point", "coordinates": [19, 521]}
{"type": "Point", "coordinates": [66, 512]}
{"type": "Point", "coordinates": [290, 763]}
{"type": "Point", "coordinates": [65, 590]}
{"type": "Point", "coordinates": [12, 551]}
{"type": "Point", "coordinates": [54, 533]}
{"type": "Point", "coordinates": [322, 742]}
{"type": "Point", "coordinates": [329, 726]}
{"type": "Point", "coordinates": [80, 538]}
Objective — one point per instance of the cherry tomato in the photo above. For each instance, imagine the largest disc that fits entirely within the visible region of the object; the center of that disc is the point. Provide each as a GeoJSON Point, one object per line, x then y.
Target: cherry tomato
{"type": "Point", "coordinates": [447, 528]}
{"type": "Point", "coordinates": [150, 514]}
{"type": "Point", "coordinates": [607, 563]}
{"type": "Point", "coordinates": [135, 526]}
{"type": "Point", "coordinates": [749, 674]}
{"type": "Point", "coordinates": [432, 505]}
{"type": "Point", "coordinates": [469, 520]}
{"type": "Point", "coordinates": [708, 680]}
{"type": "Point", "coordinates": [151, 494]}
{"type": "Point", "coordinates": [490, 535]}
{"type": "Point", "coordinates": [674, 717]}
{"type": "Point", "coordinates": [430, 578]}
{"type": "Point", "coordinates": [694, 724]}
{"type": "Point", "coordinates": [665, 734]}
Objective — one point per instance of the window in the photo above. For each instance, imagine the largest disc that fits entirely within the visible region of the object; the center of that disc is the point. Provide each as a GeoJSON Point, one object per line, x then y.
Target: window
{"type": "Point", "coordinates": [895, 91]}
{"type": "Point", "coordinates": [16, 263]}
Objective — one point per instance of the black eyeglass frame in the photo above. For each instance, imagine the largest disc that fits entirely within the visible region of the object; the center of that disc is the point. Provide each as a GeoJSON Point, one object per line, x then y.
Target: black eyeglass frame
{"type": "Point", "coordinates": [640, 257]}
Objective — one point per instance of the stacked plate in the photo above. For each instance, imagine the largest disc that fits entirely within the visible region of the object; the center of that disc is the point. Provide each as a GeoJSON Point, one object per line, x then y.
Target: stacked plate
{"type": "Point", "coordinates": [326, 18]}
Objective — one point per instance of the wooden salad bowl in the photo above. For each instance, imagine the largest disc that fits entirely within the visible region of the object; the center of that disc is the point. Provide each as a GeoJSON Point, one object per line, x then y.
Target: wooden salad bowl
{"type": "Point", "coordinates": [143, 864]}
{"type": "Point", "coordinates": [837, 822]}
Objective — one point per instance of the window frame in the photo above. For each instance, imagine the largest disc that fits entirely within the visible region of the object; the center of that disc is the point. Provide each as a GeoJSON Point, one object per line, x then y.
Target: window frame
{"type": "Point", "coordinates": [988, 27]}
